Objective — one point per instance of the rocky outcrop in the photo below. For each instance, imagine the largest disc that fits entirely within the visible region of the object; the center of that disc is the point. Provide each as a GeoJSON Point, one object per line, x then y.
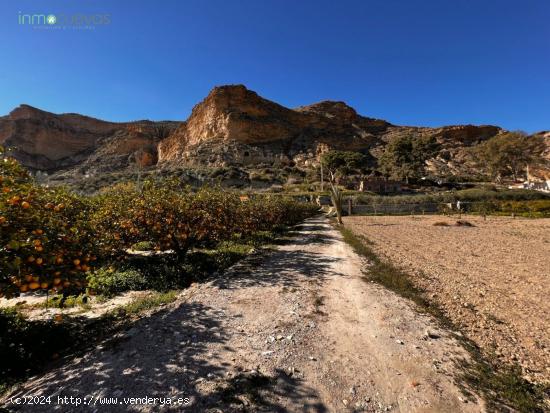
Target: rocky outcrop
{"type": "Point", "coordinates": [236, 114]}
{"type": "Point", "coordinates": [234, 125]}
{"type": "Point", "coordinates": [231, 113]}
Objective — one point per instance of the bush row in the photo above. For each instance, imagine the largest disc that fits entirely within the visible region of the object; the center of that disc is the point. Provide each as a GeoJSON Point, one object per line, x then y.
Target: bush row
{"type": "Point", "coordinates": [466, 195]}
{"type": "Point", "coordinates": [535, 209]}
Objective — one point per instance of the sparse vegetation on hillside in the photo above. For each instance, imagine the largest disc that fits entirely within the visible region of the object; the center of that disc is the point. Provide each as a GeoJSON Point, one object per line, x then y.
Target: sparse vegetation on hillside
{"type": "Point", "coordinates": [405, 157]}
{"type": "Point", "coordinates": [509, 154]}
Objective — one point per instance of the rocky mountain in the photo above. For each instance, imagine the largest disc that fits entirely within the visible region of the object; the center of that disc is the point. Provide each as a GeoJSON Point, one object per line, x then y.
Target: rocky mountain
{"type": "Point", "coordinates": [232, 126]}
{"type": "Point", "coordinates": [235, 125]}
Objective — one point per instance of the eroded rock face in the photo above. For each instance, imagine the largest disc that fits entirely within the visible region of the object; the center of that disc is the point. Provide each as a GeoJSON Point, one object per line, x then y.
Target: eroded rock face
{"type": "Point", "coordinates": [42, 140]}
{"type": "Point", "coordinates": [236, 114]}
{"type": "Point", "coordinates": [231, 113]}
{"type": "Point", "coordinates": [46, 141]}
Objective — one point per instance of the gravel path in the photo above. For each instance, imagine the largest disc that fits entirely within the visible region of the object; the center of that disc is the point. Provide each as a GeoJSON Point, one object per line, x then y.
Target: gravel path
{"type": "Point", "coordinates": [296, 329]}
{"type": "Point", "coordinates": [492, 279]}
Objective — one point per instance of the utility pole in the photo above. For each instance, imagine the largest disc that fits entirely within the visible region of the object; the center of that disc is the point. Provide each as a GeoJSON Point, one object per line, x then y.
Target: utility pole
{"type": "Point", "coordinates": [321, 176]}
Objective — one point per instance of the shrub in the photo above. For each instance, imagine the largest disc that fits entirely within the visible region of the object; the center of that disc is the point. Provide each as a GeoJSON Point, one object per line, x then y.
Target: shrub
{"type": "Point", "coordinates": [465, 195]}
{"type": "Point", "coordinates": [264, 213]}
{"type": "Point", "coordinates": [110, 282]}
{"type": "Point", "coordinates": [143, 246]}
{"type": "Point", "coordinates": [541, 207]}
{"type": "Point", "coordinates": [126, 215]}
{"type": "Point", "coordinates": [484, 208]}
{"type": "Point", "coordinates": [164, 215]}
{"type": "Point", "coordinates": [45, 239]}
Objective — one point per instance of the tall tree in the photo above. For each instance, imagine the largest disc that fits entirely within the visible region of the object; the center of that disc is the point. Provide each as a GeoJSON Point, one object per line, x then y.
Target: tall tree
{"type": "Point", "coordinates": [338, 164]}
{"type": "Point", "coordinates": [509, 154]}
{"type": "Point", "coordinates": [405, 156]}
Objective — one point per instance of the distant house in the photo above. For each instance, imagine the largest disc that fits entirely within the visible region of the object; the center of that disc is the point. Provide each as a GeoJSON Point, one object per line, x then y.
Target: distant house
{"type": "Point", "coordinates": [543, 186]}
{"type": "Point", "coordinates": [379, 185]}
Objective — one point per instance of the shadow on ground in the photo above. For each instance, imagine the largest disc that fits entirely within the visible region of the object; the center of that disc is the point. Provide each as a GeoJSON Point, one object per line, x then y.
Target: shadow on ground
{"type": "Point", "coordinates": [168, 355]}
{"type": "Point", "coordinates": [279, 267]}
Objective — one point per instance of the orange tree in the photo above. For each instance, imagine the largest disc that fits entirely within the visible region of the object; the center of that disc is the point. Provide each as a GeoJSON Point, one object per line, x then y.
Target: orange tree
{"type": "Point", "coordinates": [125, 215]}
{"type": "Point", "coordinates": [177, 219]}
{"type": "Point", "coordinates": [45, 242]}
{"type": "Point", "coordinates": [168, 216]}
{"type": "Point", "coordinates": [216, 215]}
{"type": "Point", "coordinates": [267, 212]}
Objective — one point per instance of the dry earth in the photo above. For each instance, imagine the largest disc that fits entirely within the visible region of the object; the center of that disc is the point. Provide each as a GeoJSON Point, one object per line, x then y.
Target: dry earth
{"type": "Point", "coordinates": [296, 329]}
{"type": "Point", "coordinates": [492, 279]}
{"type": "Point", "coordinates": [30, 305]}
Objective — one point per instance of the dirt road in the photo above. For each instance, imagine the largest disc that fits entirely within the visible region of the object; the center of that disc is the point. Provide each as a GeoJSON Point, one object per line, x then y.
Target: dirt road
{"type": "Point", "coordinates": [296, 329]}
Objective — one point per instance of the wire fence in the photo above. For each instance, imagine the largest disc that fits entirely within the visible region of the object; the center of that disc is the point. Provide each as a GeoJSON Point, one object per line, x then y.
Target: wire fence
{"type": "Point", "coordinates": [425, 208]}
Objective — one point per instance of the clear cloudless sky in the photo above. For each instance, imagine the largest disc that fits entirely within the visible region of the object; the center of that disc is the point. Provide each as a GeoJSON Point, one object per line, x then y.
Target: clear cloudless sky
{"type": "Point", "coordinates": [412, 62]}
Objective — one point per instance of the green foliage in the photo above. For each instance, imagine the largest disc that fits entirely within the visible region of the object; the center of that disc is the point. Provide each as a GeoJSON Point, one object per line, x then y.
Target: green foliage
{"type": "Point", "coordinates": [51, 238]}
{"type": "Point", "coordinates": [535, 209]}
{"type": "Point", "coordinates": [175, 219]}
{"type": "Point", "coordinates": [60, 301]}
{"type": "Point", "coordinates": [266, 213]}
{"type": "Point", "coordinates": [148, 302]}
{"type": "Point", "coordinates": [156, 213]}
{"type": "Point", "coordinates": [467, 195]}
{"type": "Point", "coordinates": [343, 162]}
{"type": "Point", "coordinates": [509, 154]}
{"type": "Point", "coordinates": [405, 156]}
{"type": "Point", "coordinates": [110, 282]}
{"type": "Point", "coordinates": [143, 246]}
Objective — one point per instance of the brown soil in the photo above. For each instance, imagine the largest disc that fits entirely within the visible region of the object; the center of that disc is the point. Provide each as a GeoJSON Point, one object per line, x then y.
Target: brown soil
{"type": "Point", "coordinates": [296, 329]}
{"type": "Point", "coordinates": [491, 279]}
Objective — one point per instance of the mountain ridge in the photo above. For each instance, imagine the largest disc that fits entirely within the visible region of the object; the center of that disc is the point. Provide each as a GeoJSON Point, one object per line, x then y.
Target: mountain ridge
{"type": "Point", "coordinates": [232, 125]}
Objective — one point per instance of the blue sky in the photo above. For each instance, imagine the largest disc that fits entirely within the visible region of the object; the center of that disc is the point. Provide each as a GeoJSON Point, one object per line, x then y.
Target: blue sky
{"type": "Point", "coordinates": [412, 62]}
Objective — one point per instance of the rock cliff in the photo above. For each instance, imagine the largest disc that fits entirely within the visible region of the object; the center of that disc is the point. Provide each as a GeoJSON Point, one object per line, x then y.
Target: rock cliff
{"type": "Point", "coordinates": [49, 142]}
